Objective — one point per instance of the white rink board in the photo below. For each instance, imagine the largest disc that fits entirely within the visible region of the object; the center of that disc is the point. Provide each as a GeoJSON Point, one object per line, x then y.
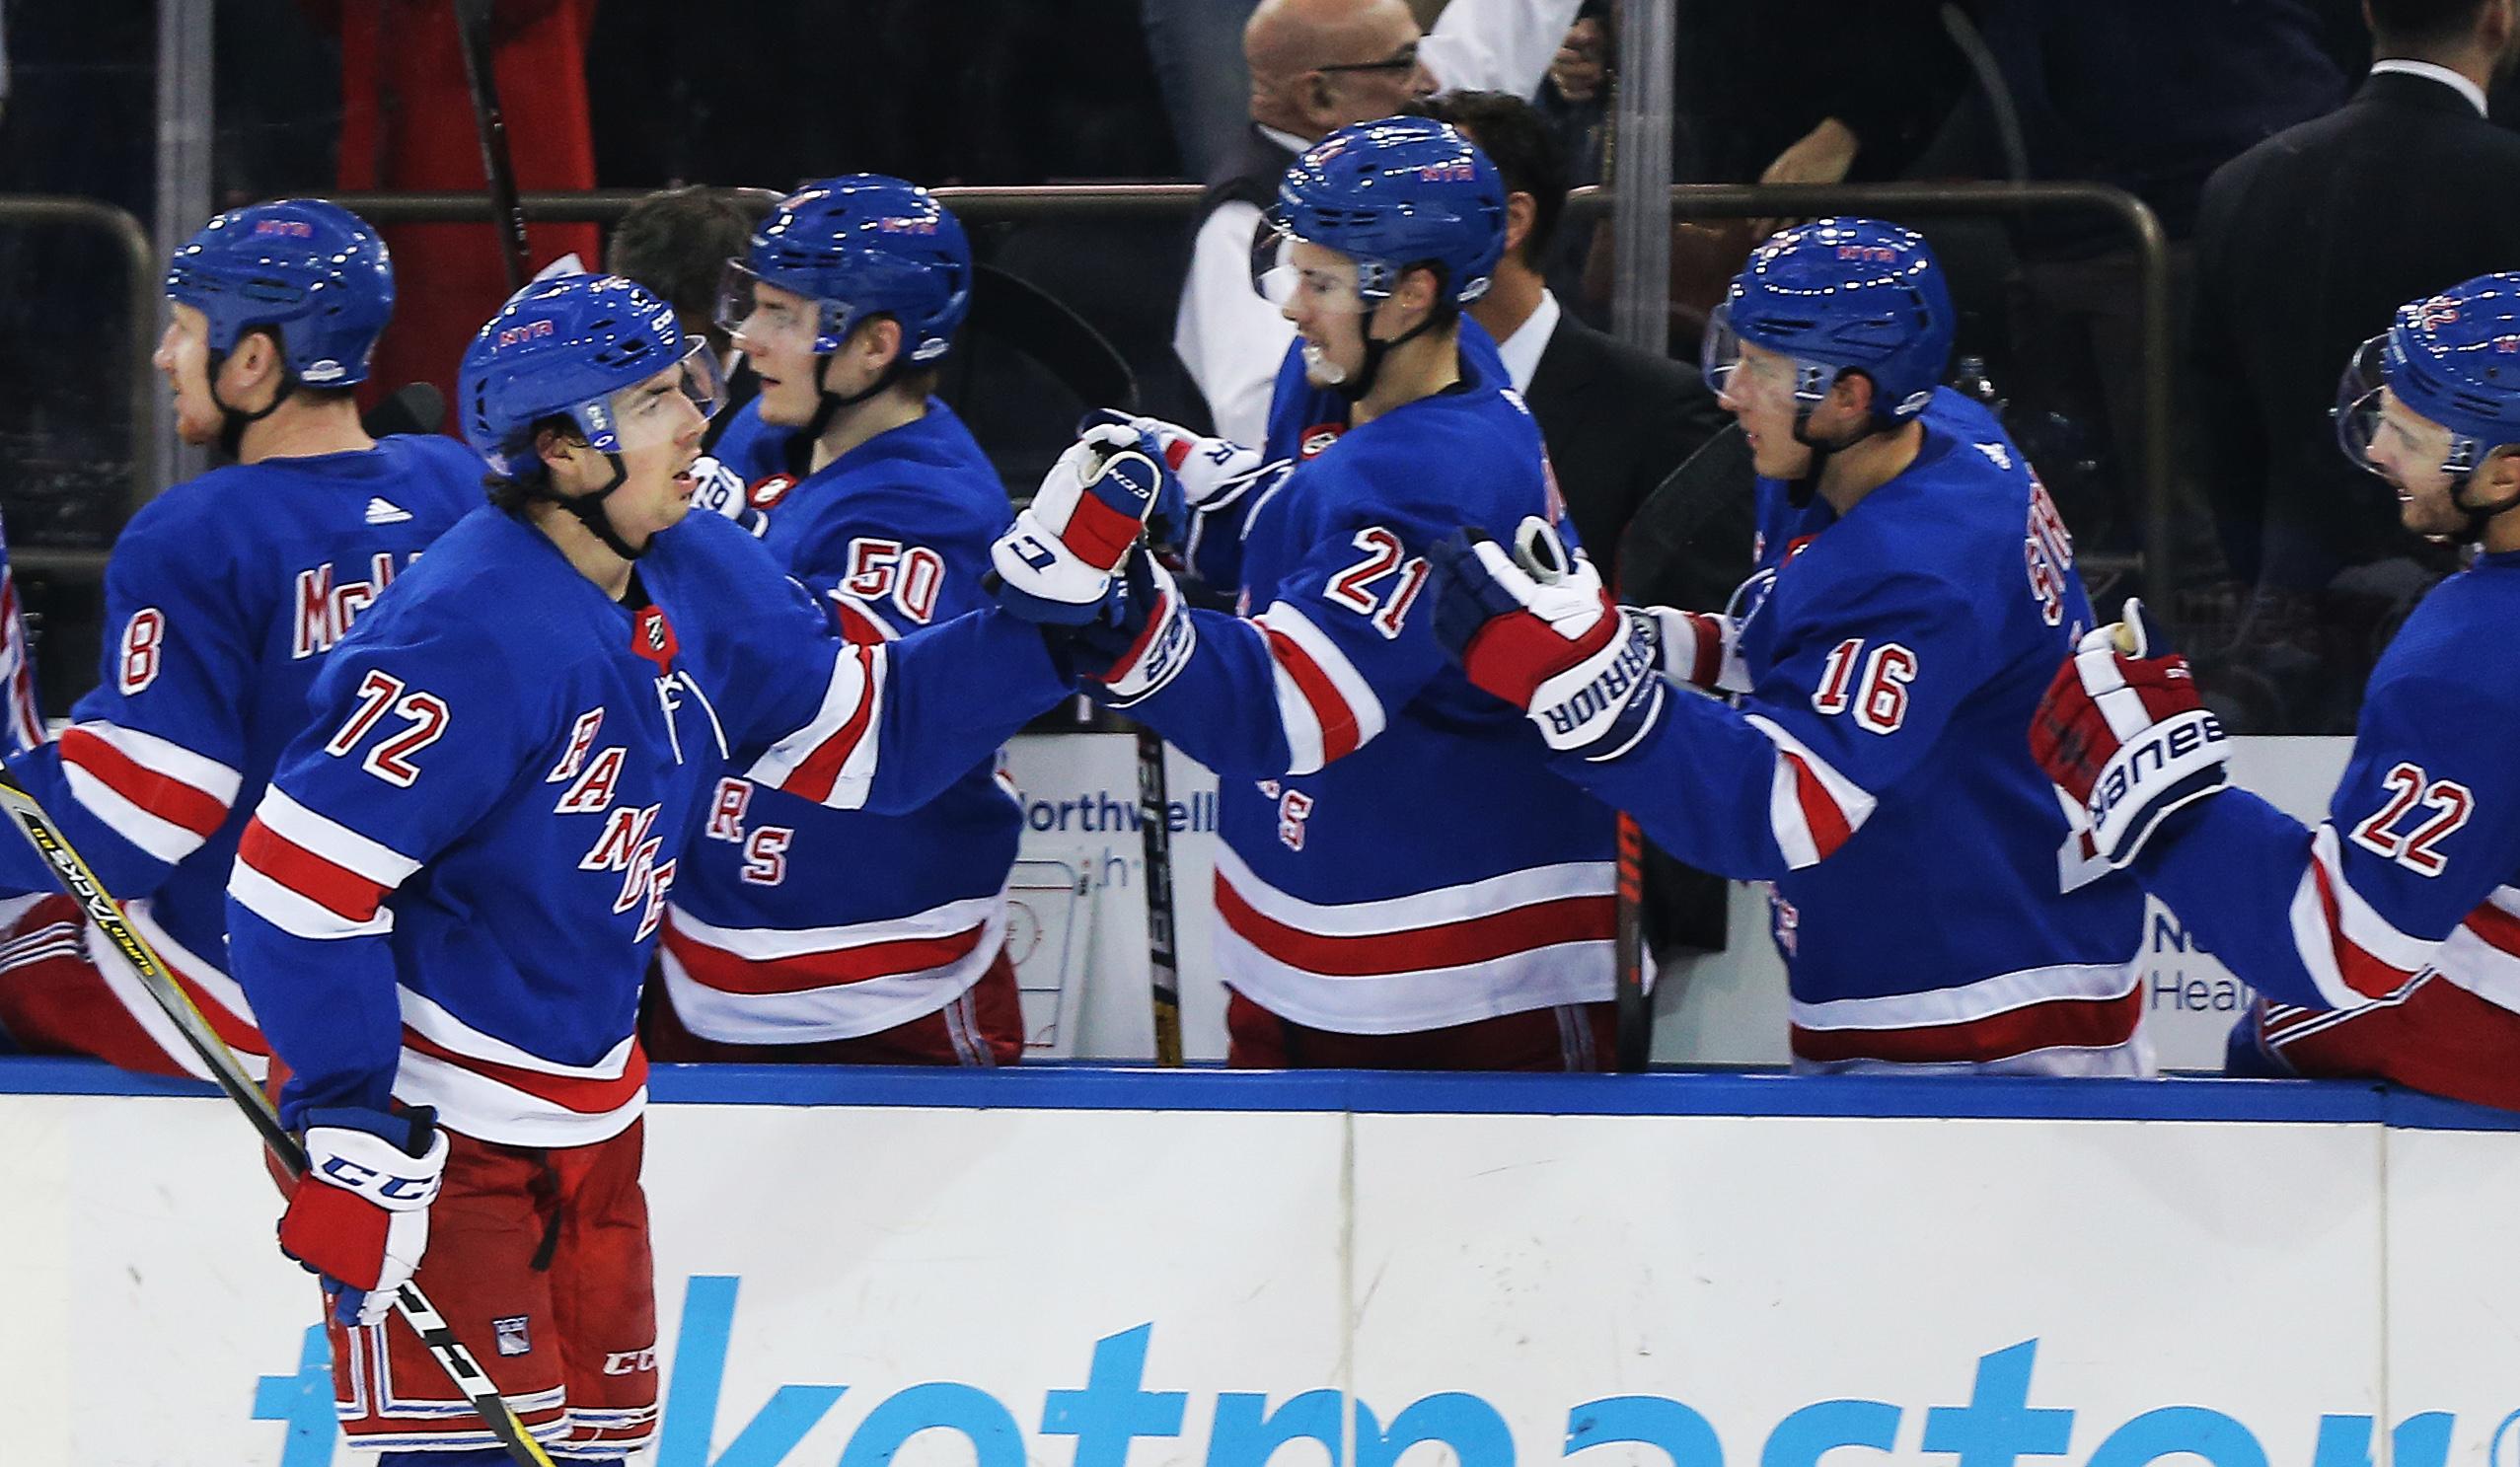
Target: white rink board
{"type": "Point", "coordinates": [1775, 1282]}
{"type": "Point", "coordinates": [1079, 793]}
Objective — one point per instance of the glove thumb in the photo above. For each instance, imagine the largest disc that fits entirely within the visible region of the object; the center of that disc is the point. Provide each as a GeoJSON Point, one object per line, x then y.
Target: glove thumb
{"type": "Point", "coordinates": [1540, 553]}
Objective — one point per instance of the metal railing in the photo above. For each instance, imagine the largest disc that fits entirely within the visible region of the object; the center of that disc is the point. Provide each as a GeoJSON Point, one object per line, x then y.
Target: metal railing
{"type": "Point", "coordinates": [139, 262]}
{"type": "Point", "coordinates": [980, 206]}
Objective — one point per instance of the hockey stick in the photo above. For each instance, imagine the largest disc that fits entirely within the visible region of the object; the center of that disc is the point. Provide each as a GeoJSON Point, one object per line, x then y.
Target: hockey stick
{"type": "Point", "coordinates": [1635, 1012]}
{"type": "Point", "coordinates": [472, 31]}
{"type": "Point", "coordinates": [1155, 828]}
{"type": "Point", "coordinates": [81, 885]}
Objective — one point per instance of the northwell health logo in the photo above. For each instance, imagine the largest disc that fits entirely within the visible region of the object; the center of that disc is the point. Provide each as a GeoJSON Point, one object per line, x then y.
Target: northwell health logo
{"type": "Point", "coordinates": [1996, 1427]}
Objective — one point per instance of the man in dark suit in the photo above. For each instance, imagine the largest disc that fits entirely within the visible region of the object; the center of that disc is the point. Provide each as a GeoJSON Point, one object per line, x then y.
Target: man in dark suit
{"type": "Point", "coordinates": [2305, 245]}
{"type": "Point", "coordinates": [1617, 420]}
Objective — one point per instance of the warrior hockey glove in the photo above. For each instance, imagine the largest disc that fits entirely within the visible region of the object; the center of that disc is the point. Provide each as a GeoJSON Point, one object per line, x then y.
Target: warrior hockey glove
{"type": "Point", "coordinates": [2122, 730]}
{"type": "Point", "coordinates": [360, 1216]}
{"type": "Point", "coordinates": [1214, 473]}
{"type": "Point", "coordinates": [1144, 639]}
{"type": "Point", "coordinates": [1537, 630]}
{"type": "Point", "coordinates": [1055, 564]}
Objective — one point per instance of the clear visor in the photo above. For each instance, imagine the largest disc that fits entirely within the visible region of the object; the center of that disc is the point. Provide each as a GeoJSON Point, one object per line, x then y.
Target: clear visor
{"type": "Point", "coordinates": [2380, 435]}
{"type": "Point", "coordinates": [1732, 372]}
{"type": "Point", "coordinates": [761, 315]}
{"type": "Point", "coordinates": [658, 409]}
{"type": "Point", "coordinates": [1288, 286]}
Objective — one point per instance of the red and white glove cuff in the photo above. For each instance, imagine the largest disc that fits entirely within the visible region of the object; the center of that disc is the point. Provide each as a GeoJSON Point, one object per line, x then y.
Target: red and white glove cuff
{"type": "Point", "coordinates": [1699, 648]}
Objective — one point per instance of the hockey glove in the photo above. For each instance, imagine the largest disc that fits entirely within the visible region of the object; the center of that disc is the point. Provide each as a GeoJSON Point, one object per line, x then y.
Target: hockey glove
{"type": "Point", "coordinates": [1700, 649]}
{"type": "Point", "coordinates": [1537, 630]}
{"type": "Point", "coordinates": [2122, 730]}
{"type": "Point", "coordinates": [1214, 473]}
{"type": "Point", "coordinates": [1055, 564]}
{"type": "Point", "coordinates": [360, 1216]}
{"type": "Point", "coordinates": [1144, 639]}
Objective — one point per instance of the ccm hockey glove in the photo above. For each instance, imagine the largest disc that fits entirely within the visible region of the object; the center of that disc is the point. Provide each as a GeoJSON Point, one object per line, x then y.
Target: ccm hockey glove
{"type": "Point", "coordinates": [2122, 730]}
{"type": "Point", "coordinates": [1213, 473]}
{"type": "Point", "coordinates": [1537, 629]}
{"type": "Point", "coordinates": [1054, 564]}
{"type": "Point", "coordinates": [360, 1216]}
{"type": "Point", "coordinates": [1142, 639]}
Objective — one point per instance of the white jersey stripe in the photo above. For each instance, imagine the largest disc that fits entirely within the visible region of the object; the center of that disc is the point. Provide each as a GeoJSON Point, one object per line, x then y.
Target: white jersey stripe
{"type": "Point", "coordinates": [322, 836]}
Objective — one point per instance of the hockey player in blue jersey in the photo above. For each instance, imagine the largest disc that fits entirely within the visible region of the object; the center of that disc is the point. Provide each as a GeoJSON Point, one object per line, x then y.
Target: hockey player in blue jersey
{"type": "Point", "coordinates": [1400, 883]}
{"type": "Point", "coordinates": [223, 598]}
{"type": "Point", "coordinates": [2385, 942]}
{"type": "Point", "coordinates": [804, 933]}
{"type": "Point", "coordinates": [444, 906]}
{"type": "Point", "coordinates": [1936, 906]}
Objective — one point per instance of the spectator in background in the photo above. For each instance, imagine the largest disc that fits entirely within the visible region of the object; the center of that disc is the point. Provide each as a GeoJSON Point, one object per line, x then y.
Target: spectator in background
{"type": "Point", "coordinates": [676, 243]}
{"type": "Point", "coordinates": [2301, 243]}
{"type": "Point", "coordinates": [1576, 93]}
{"type": "Point", "coordinates": [1317, 65]}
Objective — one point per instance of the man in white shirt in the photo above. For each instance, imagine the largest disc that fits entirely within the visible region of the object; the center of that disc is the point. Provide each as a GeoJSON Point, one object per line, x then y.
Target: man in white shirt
{"type": "Point", "coordinates": [1317, 65]}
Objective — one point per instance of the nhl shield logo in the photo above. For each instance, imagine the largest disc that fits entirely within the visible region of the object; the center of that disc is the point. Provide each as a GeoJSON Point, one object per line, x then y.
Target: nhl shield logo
{"type": "Point", "coordinates": [511, 1334]}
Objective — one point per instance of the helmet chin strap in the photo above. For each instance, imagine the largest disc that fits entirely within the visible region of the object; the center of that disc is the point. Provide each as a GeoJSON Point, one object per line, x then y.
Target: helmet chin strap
{"type": "Point", "coordinates": [2479, 515]}
{"type": "Point", "coordinates": [1357, 384]}
{"type": "Point", "coordinates": [589, 509]}
{"type": "Point", "coordinates": [233, 421]}
{"type": "Point", "coordinates": [1798, 492]}
{"type": "Point", "coordinates": [832, 401]}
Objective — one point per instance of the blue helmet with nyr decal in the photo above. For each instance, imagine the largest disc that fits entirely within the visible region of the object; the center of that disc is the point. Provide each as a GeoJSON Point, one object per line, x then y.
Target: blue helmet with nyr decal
{"type": "Point", "coordinates": [859, 246]}
{"type": "Point", "coordinates": [572, 347]}
{"type": "Point", "coordinates": [1840, 295]}
{"type": "Point", "coordinates": [1393, 195]}
{"type": "Point", "coordinates": [2452, 358]}
{"type": "Point", "coordinates": [313, 274]}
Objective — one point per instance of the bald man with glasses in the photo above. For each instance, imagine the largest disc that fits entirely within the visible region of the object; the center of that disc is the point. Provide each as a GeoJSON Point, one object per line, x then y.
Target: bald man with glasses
{"type": "Point", "coordinates": [1315, 66]}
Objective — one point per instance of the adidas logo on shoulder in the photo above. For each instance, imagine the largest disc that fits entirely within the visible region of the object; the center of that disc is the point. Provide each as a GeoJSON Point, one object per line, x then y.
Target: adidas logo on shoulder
{"type": "Point", "coordinates": [383, 511]}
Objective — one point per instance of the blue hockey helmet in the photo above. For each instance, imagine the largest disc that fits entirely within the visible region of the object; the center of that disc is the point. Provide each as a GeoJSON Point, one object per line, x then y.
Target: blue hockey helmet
{"type": "Point", "coordinates": [573, 347]}
{"type": "Point", "coordinates": [861, 245]}
{"type": "Point", "coordinates": [314, 273]}
{"type": "Point", "coordinates": [1839, 295]}
{"type": "Point", "coordinates": [2453, 358]}
{"type": "Point", "coordinates": [1396, 193]}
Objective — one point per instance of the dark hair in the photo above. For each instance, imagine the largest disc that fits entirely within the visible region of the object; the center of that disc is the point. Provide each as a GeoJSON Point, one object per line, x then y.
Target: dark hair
{"type": "Point", "coordinates": [509, 494]}
{"type": "Point", "coordinates": [1517, 140]}
{"type": "Point", "coordinates": [675, 241]}
{"type": "Point", "coordinates": [2422, 24]}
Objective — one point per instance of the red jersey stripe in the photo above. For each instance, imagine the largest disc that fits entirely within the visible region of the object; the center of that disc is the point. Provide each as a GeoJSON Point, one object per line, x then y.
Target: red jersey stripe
{"type": "Point", "coordinates": [588, 1097]}
{"type": "Point", "coordinates": [1478, 939]}
{"type": "Point", "coordinates": [1338, 728]}
{"type": "Point", "coordinates": [161, 796]}
{"type": "Point", "coordinates": [716, 968]}
{"type": "Point", "coordinates": [814, 776]}
{"type": "Point", "coordinates": [2075, 1023]}
{"type": "Point", "coordinates": [336, 889]}
{"type": "Point", "coordinates": [1821, 815]}
{"type": "Point", "coordinates": [2364, 974]}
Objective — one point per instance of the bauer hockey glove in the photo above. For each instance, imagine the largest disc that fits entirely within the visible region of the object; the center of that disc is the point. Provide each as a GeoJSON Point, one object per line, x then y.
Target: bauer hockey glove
{"type": "Point", "coordinates": [1055, 564]}
{"type": "Point", "coordinates": [1213, 473]}
{"type": "Point", "coordinates": [360, 1216]}
{"type": "Point", "coordinates": [2122, 730]}
{"type": "Point", "coordinates": [1144, 639]}
{"type": "Point", "coordinates": [1536, 630]}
